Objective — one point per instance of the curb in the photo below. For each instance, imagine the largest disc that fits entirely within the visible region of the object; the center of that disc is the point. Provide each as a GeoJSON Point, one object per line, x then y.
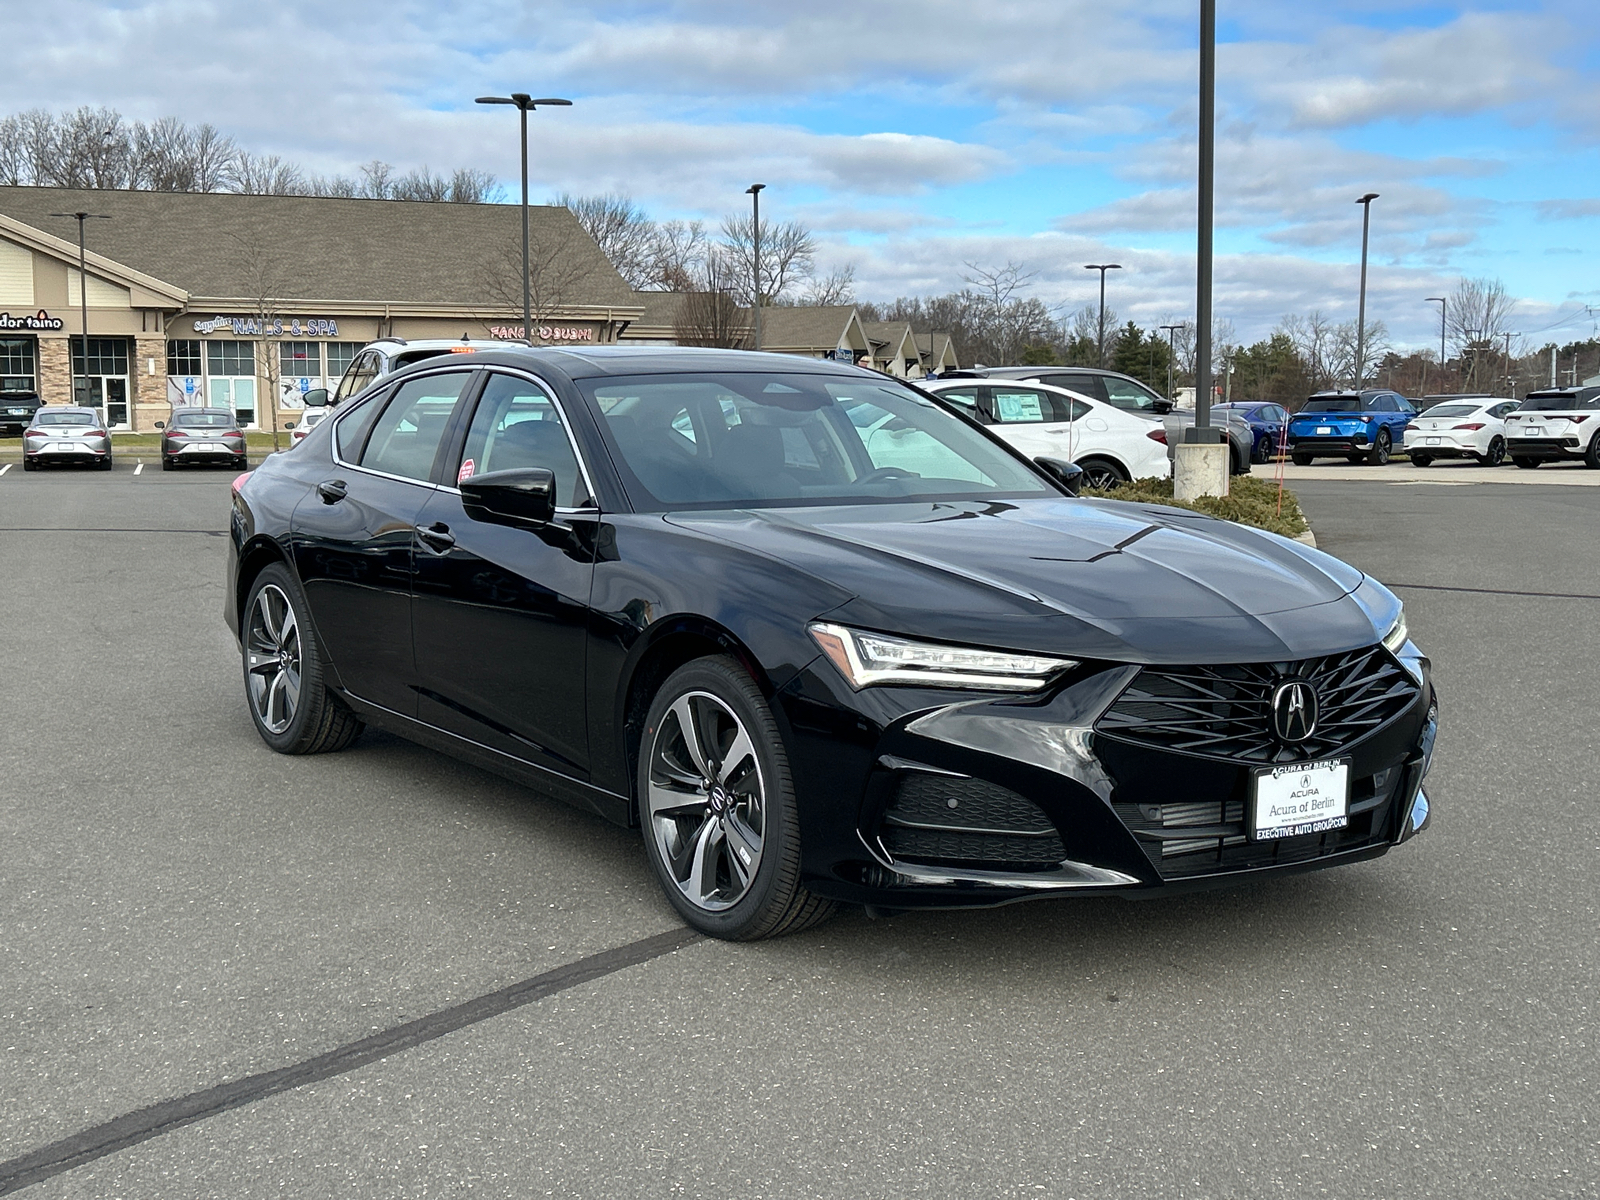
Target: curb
{"type": "Point", "coordinates": [1308, 538]}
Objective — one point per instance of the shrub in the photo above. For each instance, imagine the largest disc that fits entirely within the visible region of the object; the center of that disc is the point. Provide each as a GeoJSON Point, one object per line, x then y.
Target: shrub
{"type": "Point", "coordinates": [1249, 501]}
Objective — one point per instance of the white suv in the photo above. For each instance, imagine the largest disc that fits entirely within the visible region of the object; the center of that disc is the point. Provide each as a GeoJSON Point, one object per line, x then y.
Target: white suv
{"type": "Point", "coordinates": [387, 355]}
{"type": "Point", "coordinates": [1556, 425]}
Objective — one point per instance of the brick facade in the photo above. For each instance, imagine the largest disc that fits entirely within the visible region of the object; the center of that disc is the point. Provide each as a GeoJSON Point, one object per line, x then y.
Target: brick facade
{"type": "Point", "coordinates": [55, 371]}
{"type": "Point", "coordinates": [148, 393]}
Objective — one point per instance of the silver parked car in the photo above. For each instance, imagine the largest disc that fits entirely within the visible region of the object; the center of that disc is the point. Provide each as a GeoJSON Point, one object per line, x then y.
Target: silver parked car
{"type": "Point", "coordinates": [59, 434]}
{"type": "Point", "coordinates": [202, 435]}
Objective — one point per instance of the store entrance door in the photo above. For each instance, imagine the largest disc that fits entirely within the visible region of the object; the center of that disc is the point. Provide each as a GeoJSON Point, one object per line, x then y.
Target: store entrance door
{"type": "Point", "coordinates": [108, 395]}
{"type": "Point", "coordinates": [237, 393]}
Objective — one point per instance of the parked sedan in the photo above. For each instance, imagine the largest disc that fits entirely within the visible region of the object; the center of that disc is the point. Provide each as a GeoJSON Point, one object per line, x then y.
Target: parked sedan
{"type": "Point", "coordinates": [1459, 427]}
{"type": "Point", "coordinates": [1267, 421]}
{"type": "Point", "coordinates": [59, 434]}
{"type": "Point", "coordinates": [1111, 445]}
{"type": "Point", "coordinates": [202, 435]}
{"type": "Point", "coordinates": [675, 587]}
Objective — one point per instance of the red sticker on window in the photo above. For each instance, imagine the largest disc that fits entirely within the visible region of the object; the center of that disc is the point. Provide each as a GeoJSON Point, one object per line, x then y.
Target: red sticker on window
{"type": "Point", "coordinates": [466, 471]}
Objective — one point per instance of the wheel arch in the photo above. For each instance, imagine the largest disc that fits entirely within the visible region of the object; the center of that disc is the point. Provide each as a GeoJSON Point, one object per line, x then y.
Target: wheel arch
{"type": "Point", "coordinates": [254, 556]}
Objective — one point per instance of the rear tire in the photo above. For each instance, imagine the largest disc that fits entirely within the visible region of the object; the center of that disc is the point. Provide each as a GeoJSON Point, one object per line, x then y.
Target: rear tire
{"type": "Point", "coordinates": [167, 464]}
{"type": "Point", "coordinates": [1591, 457]}
{"type": "Point", "coordinates": [1379, 454]}
{"type": "Point", "coordinates": [293, 710]}
{"type": "Point", "coordinates": [1526, 463]}
{"type": "Point", "coordinates": [1261, 452]}
{"type": "Point", "coordinates": [1420, 460]}
{"type": "Point", "coordinates": [29, 464]}
{"type": "Point", "coordinates": [717, 807]}
{"type": "Point", "coordinates": [1496, 454]}
{"type": "Point", "coordinates": [105, 463]}
{"type": "Point", "coordinates": [1300, 460]}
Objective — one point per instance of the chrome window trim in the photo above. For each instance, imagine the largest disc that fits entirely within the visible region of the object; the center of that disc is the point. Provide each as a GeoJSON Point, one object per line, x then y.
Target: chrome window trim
{"type": "Point", "coordinates": [566, 428]}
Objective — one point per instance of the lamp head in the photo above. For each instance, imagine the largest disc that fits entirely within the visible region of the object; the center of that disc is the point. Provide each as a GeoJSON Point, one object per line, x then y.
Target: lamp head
{"type": "Point", "coordinates": [1368, 198]}
{"type": "Point", "coordinates": [754, 189]}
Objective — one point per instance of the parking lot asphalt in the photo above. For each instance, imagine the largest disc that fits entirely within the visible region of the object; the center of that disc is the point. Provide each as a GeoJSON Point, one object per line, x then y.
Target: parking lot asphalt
{"type": "Point", "coordinates": [181, 909]}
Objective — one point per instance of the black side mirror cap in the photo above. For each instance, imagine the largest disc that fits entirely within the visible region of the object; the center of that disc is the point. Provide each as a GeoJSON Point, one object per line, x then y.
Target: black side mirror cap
{"type": "Point", "coordinates": [1068, 474]}
{"type": "Point", "coordinates": [161, 424]}
{"type": "Point", "coordinates": [526, 495]}
{"type": "Point", "coordinates": [316, 398]}
{"type": "Point", "coordinates": [288, 424]}
{"type": "Point", "coordinates": [1162, 407]}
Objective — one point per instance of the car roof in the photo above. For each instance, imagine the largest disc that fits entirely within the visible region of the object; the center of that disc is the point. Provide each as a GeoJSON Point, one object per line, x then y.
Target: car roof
{"type": "Point", "coordinates": [593, 361]}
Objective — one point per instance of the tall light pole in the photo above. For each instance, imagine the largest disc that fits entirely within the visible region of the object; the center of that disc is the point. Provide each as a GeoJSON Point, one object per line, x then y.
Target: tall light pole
{"type": "Point", "coordinates": [1443, 306]}
{"type": "Point", "coordinates": [1203, 242]}
{"type": "Point", "coordinates": [1510, 380]}
{"type": "Point", "coordinates": [1172, 354]}
{"type": "Point", "coordinates": [524, 103]}
{"type": "Point", "coordinates": [1361, 305]}
{"type": "Point", "coordinates": [754, 192]}
{"type": "Point", "coordinates": [1101, 327]}
{"type": "Point", "coordinates": [83, 302]}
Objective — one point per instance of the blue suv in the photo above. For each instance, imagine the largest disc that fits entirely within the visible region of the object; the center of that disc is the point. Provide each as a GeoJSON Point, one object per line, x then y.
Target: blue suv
{"type": "Point", "coordinates": [1361, 426]}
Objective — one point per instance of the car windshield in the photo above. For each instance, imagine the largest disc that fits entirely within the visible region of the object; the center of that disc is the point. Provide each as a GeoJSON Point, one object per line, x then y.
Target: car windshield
{"type": "Point", "coordinates": [769, 439]}
{"type": "Point", "coordinates": [1451, 410]}
{"type": "Point", "coordinates": [64, 418]}
{"type": "Point", "coordinates": [205, 420]}
{"type": "Point", "coordinates": [1559, 402]}
{"type": "Point", "coordinates": [1332, 404]}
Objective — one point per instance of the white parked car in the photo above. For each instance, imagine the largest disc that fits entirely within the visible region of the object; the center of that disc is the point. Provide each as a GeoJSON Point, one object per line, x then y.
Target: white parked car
{"type": "Point", "coordinates": [1459, 427]}
{"type": "Point", "coordinates": [1110, 444]}
{"type": "Point", "coordinates": [1556, 425]}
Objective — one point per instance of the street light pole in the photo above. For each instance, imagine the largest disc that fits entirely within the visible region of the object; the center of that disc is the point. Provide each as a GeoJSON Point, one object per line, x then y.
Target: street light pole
{"type": "Point", "coordinates": [1509, 378]}
{"type": "Point", "coordinates": [1100, 328]}
{"type": "Point", "coordinates": [1203, 241]}
{"type": "Point", "coordinates": [754, 192]}
{"type": "Point", "coordinates": [1443, 305]}
{"type": "Point", "coordinates": [1172, 354]}
{"type": "Point", "coordinates": [83, 303]}
{"type": "Point", "coordinates": [525, 103]}
{"type": "Point", "coordinates": [1361, 306]}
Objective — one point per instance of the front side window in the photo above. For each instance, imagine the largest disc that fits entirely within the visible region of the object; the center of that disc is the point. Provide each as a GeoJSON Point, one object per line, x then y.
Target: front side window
{"type": "Point", "coordinates": [406, 436]}
{"type": "Point", "coordinates": [517, 426]}
{"type": "Point", "coordinates": [763, 439]}
{"type": "Point", "coordinates": [362, 372]}
{"type": "Point", "coordinates": [1126, 394]}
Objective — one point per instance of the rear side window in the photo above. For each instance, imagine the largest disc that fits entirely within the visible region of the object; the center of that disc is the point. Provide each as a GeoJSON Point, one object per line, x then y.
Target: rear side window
{"type": "Point", "coordinates": [965, 399]}
{"type": "Point", "coordinates": [1028, 406]}
{"type": "Point", "coordinates": [406, 436]}
{"type": "Point", "coordinates": [1085, 385]}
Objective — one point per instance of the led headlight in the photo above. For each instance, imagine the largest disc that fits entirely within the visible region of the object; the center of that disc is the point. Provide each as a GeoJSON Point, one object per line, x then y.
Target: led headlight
{"type": "Point", "coordinates": [1395, 639]}
{"type": "Point", "coordinates": [870, 658]}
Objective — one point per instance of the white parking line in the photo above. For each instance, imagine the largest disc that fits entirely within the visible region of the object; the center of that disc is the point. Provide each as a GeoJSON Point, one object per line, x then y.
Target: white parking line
{"type": "Point", "coordinates": [139, 470]}
{"type": "Point", "coordinates": [5, 468]}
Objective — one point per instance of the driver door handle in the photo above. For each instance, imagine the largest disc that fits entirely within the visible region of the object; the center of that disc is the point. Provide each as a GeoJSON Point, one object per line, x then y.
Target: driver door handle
{"type": "Point", "coordinates": [332, 490]}
{"type": "Point", "coordinates": [436, 537]}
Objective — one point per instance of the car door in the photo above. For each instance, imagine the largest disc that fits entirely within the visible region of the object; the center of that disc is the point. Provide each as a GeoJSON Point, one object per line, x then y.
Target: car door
{"type": "Point", "coordinates": [501, 607]}
{"type": "Point", "coordinates": [352, 537]}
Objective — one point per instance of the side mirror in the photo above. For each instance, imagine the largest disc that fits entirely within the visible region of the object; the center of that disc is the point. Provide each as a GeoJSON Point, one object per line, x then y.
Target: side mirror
{"type": "Point", "coordinates": [1162, 407]}
{"type": "Point", "coordinates": [1068, 474]}
{"type": "Point", "coordinates": [316, 398]}
{"type": "Point", "coordinates": [288, 424]}
{"type": "Point", "coordinates": [161, 424]}
{"type": "Point", "coordinates": [526, 495]}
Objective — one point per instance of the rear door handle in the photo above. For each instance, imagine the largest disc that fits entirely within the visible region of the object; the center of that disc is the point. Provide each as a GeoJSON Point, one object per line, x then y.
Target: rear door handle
{"type": "Point", "coordinates": [436, 537]}
{"type": "Point", "coordinates": [332, 490]}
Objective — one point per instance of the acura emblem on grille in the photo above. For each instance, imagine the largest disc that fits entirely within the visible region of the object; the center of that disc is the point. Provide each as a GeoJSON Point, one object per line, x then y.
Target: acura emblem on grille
{"type": "Point", "coordinates": [1294, 710]}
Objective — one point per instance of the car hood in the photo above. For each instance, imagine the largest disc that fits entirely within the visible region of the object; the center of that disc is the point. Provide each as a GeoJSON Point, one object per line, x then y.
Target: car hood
{"type": "Point", "coordinates": [1097, 579]}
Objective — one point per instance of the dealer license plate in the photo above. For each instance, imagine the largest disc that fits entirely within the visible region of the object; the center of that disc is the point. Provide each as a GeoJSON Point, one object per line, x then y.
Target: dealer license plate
{"type": "Point", "coordinates": [1304, 798]}
{"type": "Point", "coordinates": [1321, 429]}
{"type": "Point", "coordinates": [1533, 431]}
{"type": "Point", "coordinates": [1434, 441]}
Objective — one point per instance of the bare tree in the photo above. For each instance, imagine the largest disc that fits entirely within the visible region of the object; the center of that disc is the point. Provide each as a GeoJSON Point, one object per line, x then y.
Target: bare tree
{"type": "Point", "coordinates": [622, 230]}
{"type": "Point", "coordinates": [1477, 318]}
{"type": "Point", "coordinates": [710, 314]}
{"type": "Point", "coordinates": [553, 276]}
{"type": "Point", "coordinates": [677, 256]}
{"type": "Point", "coordinates": [266, 175]}
{"type": "Point", "coordinates": [788, 254]}
{"type": "Point", "coordinates": [838, 286]}
{"type": "Point", "coordinates": [377, 179]}
{"type": "Point", "coordinates": [262, 268]}
{"type": "Point", "coordinates": [468, 185]}
{"type": "Point", "coordinates": [212, 156]}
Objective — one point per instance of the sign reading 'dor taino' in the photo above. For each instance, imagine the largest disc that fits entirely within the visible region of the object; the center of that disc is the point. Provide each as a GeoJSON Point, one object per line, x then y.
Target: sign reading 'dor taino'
{"type": "Point", "coordinates": [294, 327]}
{"type": "Point", "coordinates": [546, 333]}
{"type": "Point", "coordinates": [1299, 799]}
{"type": "Point", "coordinates": [41, 320]}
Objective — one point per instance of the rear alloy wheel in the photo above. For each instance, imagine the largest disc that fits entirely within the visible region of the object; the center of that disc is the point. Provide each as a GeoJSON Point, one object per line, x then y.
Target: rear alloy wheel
{"type": "Point", "coordinates": [1379, 454]}
{"type": "Point", "coordinates": [1101, 474]}
{"type": "Point", "coordinates": [294, 712]}
{"type": "Point", "coordinates": [1261, 452]}
{"type": "Point", "coordinates": [1496, 453]}
{"type": "Point", "coordinates": [716, 802]}
{"type": "Point", "coordinates": [1420, 460]}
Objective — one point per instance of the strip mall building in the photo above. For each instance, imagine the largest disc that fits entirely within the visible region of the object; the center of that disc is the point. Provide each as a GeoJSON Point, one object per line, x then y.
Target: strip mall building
{"type": "Point", "coordinates": [248, 302]}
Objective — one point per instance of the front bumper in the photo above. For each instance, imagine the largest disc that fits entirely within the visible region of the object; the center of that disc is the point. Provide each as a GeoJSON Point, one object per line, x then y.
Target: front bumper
{"type": "Point", "coordinates": [1078, 810]}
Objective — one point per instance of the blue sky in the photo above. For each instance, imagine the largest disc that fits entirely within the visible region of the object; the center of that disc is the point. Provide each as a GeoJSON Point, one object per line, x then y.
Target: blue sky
{"type": "Point", "coordinates": [919, 136]}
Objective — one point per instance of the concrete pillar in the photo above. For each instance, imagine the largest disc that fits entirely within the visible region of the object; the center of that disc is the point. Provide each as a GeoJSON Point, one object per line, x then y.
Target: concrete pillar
{"type": "Point", "coordinates": [148, 391]}
{"type": "Point", "coordinates": [1199, 469]}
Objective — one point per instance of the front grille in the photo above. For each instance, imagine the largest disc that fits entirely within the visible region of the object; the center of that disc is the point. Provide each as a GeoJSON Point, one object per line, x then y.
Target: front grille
{"type": "Point", "coordinates": [950, 821]}
{"type": "Point", "coordinates": [1223, 711]}
{"type": "Point", "coordinates": [1201, 838]}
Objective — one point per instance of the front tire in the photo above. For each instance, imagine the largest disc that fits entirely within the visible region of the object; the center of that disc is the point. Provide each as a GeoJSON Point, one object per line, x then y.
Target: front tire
{"type": "Point", "coordinates": [293, 710]}
{"type": "Point", "coordinates": [716, 803]}
{"type": "Point", "coordinates": [1101, 474]}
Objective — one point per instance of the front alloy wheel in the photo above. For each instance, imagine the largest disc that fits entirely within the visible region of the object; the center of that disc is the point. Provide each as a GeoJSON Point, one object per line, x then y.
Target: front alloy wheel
{"type": "Point", "coordinates": [1102, 475]}
{"type": "Point", "coordinates": [717, 805]}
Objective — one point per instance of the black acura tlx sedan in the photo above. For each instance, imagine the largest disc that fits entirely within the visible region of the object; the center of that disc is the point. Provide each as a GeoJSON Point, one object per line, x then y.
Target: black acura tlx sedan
{"type": "Point", "coordinates": [822, 638]}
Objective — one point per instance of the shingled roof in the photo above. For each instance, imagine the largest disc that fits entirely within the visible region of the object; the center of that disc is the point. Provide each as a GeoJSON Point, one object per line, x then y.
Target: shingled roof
{"type": "Point", "coordinates": [323, 249]}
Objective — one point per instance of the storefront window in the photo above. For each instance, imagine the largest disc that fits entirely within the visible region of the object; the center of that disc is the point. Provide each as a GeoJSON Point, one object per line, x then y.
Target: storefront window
{"type": "Point", "coordinates": [183, 357]}
{"type": "Point", "coordinates": [107, 356]}
{"type": "Point", "coordinates": [100, 379]}
{"type": "Point", "coordinates": [231, 358]}
{"type": "Point", "coordinates": [17, 373]}
{"type": "Point", "coordinates": [300, 360]}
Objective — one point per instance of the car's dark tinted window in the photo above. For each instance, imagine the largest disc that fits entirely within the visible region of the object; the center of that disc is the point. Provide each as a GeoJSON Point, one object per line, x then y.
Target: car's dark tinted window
{"type": "Point", "coordinates": [1383, 404]}
{"type": "Point", "coordinates": [1561, 401]}
{"type": "Point", "coordinates": [351, 431]}
{"type": "Point", "coordinates": [406, 436]}
{"type": "Point", "coordinates": [755, 440]}
{"type": "Point", "coordinates": [1081, 382]}
{"type": "Point", "coordinates": [1325, 404]}
{"type": "Point", "coordinates": [1451, 410]}
{"type": "Point", "coordinates": [71, 416]}
{"type": "Point", "coordinates": [221, 419]}
{"type": "Point", "coordinates": [517, 425]}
